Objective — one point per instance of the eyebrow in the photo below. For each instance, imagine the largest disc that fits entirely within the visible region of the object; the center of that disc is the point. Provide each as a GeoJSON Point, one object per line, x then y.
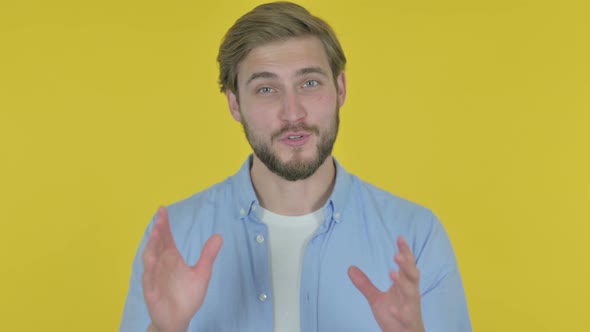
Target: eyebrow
{"type": "Point", "coordinates": [311, 70]}
{"type": "Point", "coordinates": [300, 72]}
{"type": "Point", "coordinates": [262, 74]}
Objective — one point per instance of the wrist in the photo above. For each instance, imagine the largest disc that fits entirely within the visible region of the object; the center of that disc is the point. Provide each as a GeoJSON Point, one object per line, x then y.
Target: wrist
{"type": "Point", "coordinates": [153, 328]}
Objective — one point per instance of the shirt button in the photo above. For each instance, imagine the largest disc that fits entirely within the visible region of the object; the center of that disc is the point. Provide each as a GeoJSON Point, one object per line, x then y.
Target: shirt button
{"type": "Point", "coordinates": [260, 239]}
{"type": "Point", "coordinates": [242, 212]}
{"type": "Point", "coordinates": [253, 207]}
{"type": "Point", "coordinates": [337, 215]}
{"type": "Point", "coordinates": [262, 297]}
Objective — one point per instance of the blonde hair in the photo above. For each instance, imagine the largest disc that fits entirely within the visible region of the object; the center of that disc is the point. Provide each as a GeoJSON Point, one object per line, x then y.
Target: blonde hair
{"type": "Point", "coordinates": [270, 22]}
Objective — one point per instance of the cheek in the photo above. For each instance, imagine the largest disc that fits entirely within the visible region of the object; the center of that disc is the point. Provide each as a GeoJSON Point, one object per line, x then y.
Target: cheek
{"type": "Point", "coordinates": [258, 120]}
{"type": "Point", "coordinates": [323, 106]}
{"type": "Point", "coordinates": [324, 98]}
{"type": "Point", "coordinates": [262, 113]}
{"type": "Point", "coordinates": [256, 107]}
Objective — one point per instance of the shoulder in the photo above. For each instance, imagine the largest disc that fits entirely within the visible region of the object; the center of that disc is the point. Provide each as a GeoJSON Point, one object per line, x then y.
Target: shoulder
{"type": "Point", "coordinates": [389, 204]}
{"type": "Point", "coordinates": [377, 210]}
{"type": "Point", "coordinates": [201, 204]}
{"type": "Point", "coordinates": [399, 216]}
{"type": "Point", "coordinates": [194, 219]}
{"type": "Point", "coordinates": [203, 199]}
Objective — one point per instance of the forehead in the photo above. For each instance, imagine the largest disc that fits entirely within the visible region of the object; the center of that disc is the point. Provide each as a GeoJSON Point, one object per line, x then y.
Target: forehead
{"type": "Point", "coordinates": [284, 58]}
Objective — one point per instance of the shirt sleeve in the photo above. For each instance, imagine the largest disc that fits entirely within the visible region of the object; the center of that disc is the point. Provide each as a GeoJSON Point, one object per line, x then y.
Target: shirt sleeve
{"type": "Point", "coordinates": [444, 306]}
{"type": "Point", "coordinates": [135, 314]}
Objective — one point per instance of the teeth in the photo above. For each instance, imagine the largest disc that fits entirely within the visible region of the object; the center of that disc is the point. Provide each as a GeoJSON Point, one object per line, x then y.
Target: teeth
{"type": "Point", "coordinates": [295, 137]}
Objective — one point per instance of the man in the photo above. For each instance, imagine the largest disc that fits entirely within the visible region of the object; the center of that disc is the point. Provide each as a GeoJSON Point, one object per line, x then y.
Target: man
{"type": "Point", "coordinates": [292, 242]}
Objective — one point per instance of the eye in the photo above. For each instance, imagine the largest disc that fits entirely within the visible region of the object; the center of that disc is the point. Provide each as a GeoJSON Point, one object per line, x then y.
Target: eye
{"type": "Point", "coordinates": [265, 90]}
{"type": "Point", "coordinates": [311, 83]}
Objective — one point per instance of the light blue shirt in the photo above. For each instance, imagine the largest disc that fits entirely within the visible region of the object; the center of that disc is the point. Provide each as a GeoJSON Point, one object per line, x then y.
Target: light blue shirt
{"type": "Point", "coordinates": [361, 225]}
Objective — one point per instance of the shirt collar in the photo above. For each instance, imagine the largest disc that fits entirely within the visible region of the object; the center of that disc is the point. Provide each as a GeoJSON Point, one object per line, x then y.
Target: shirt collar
{"type": "Point", "coordinates": [334, 207]}
{"type": "Point", "coordinates": [342, 190]}
{"type": "Point", "coordinates": [242, 186]}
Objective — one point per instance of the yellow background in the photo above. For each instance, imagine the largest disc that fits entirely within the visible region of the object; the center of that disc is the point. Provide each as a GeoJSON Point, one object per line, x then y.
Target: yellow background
{"type": "Point", "coordinates": [476, 109]}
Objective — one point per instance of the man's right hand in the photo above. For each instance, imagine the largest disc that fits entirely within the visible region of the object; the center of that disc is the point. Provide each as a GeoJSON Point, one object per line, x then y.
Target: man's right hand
{"type": "Point", "coordinates": [174, 291]}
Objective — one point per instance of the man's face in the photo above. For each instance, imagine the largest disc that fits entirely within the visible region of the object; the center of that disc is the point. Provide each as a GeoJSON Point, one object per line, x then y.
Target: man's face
{"type": "Point", "coordinates": [288, 105]}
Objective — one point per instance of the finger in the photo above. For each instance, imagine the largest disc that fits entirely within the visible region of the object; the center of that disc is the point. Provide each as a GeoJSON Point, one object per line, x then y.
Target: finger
{"type": "Point", "coordinates": [403, 289]}
{"type": "Point", "coordinates": [163, 222]}
{"type": "Point", "coordinates": [208, 255]}
{"type": "Point", "coordinates": [406, 261]}
{"type": "Point", "coordinates": [152, 245]}
{"type": "Point", "coordinates": [396, 289]}
{"type": "Point", "coordinates": [406, 284]}
{"type": "Point", "coordinates": [407, 268]}
{"type": "Point", "coordinates": [153, 249]}
{"type": "Point", "coordinates": [404, 248]}
{"type": "Point", "coordinates": [149, 257]}
{"type": "Point", "coordinates": [148, 276]}
{"type": "Point", "coordinates": [363, 284]}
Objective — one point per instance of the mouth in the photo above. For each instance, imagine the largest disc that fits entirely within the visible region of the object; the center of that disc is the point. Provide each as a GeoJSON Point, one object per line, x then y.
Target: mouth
{"type": "Point", "coordinates": [295, 139]}
{"type": "Point", "coordinates": [291, 136]}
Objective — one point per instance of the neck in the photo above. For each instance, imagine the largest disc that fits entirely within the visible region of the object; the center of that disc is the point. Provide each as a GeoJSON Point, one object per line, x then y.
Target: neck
{"type": "Point", "coordinates": [293, 198]}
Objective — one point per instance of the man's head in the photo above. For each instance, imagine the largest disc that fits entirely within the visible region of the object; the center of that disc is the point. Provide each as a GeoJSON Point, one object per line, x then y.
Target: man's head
{"type": "Point", "coordinates": [268, 23]}
{"type": "Point", "coordinates": [282, 71]}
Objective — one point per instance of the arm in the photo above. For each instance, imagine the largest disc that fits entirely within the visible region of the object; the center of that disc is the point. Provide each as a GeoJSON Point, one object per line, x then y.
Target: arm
{"type": "Point", "coordinates": [444, 306]}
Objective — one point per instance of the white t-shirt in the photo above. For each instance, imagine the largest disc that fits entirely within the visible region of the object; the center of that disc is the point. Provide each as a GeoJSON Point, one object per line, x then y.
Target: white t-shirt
{"type": "Point", "coordinates": [288, 236]}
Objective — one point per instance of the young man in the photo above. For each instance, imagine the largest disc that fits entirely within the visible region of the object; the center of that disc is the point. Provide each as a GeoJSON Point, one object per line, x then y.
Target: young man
{"type": "Point", "coordinates": [292, 242]}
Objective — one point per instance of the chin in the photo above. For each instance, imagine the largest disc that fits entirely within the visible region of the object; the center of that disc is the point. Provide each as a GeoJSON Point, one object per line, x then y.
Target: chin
{"type": "Point", "coordinates": [299, 156]}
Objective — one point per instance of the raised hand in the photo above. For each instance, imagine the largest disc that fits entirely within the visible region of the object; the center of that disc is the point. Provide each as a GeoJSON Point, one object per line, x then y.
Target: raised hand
{"type": "Point", "coordinates": [174, 291]}
{"type": "Point", "coordinates": [398, 308]}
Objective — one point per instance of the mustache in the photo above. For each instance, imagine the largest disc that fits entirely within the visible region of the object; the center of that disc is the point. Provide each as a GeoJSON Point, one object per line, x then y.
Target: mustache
{"type": "Point", "coordinates": [293, 127]}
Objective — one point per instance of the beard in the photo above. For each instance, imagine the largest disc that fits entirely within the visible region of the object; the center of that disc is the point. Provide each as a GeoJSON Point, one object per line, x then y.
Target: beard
{"type": "Point", "coordinates": [296, 169]}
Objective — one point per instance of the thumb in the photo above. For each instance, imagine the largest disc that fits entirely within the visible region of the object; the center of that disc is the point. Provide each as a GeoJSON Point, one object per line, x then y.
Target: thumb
{"type": "Point", "coordinates": [363, 284]}
{"type": "Point", "coordinates": [208, 255]}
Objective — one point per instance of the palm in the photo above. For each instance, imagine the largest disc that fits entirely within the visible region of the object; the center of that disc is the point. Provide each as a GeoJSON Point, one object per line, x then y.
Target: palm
{"type": "Point", "coordinates": [390, 313]}
{"type": "Point", "coordinates": [174, 291]}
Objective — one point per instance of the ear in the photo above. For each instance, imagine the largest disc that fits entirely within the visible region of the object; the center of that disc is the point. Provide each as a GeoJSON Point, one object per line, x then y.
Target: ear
{"type": "Point", "coordinates": [341, 84]}
{"type": "Point", "coordinates": [234, 106]}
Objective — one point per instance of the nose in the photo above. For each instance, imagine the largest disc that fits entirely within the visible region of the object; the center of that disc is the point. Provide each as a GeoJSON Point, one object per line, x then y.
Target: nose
{"type": "Point", "coordinates": [293, 110]}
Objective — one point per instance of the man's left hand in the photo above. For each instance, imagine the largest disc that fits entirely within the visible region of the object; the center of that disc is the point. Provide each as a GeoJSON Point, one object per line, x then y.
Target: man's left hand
{"type": "Point", "coordinates": [398, 308]}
